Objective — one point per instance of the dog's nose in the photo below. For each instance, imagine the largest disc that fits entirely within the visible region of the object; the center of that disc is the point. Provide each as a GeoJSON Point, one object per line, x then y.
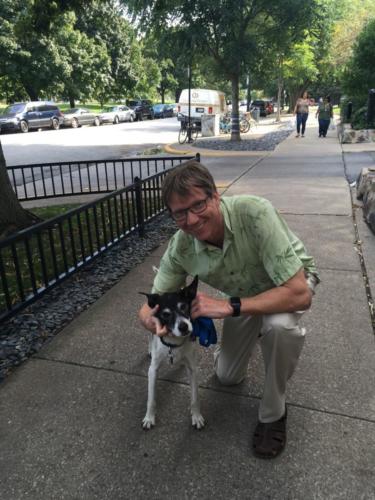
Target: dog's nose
{"type": "Point", "coordinates": [183, 328]}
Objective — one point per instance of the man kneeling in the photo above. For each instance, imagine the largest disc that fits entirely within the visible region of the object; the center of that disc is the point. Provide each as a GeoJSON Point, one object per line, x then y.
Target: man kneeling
{"type": "Point", "coordinates": [241, 246]}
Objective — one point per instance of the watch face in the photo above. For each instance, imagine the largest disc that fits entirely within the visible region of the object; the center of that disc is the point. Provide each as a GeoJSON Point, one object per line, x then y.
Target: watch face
{"type": "Point", "coordinates": [235, 302]}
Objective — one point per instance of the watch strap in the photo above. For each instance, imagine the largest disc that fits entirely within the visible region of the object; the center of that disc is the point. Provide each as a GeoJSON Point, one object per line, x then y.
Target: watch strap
{"type": "Point", "coordinates": [235, 302]}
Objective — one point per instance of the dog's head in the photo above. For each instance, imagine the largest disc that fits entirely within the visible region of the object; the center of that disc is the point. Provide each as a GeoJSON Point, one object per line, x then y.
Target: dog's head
{"type": "Point", "coordinates": [174, 308]}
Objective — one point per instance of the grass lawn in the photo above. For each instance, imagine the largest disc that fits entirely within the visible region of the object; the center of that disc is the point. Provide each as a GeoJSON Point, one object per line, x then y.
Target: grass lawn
{"type": "Point", "coordinates": [91, 106]}
{"type": "Point", "coordinates": [45, 213]}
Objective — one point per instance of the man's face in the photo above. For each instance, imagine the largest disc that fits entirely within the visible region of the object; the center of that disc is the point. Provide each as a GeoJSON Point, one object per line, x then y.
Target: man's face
{"type": "Point", "coordinates": [207, 225]}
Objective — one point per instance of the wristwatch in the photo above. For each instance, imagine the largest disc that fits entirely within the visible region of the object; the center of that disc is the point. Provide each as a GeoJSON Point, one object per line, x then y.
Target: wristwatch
{"type": "Point", "coordinates": [235, 302]}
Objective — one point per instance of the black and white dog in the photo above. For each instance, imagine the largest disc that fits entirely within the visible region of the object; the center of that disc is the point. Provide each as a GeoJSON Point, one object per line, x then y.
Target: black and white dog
{"type": "Point", "coordinates": [174, 313]}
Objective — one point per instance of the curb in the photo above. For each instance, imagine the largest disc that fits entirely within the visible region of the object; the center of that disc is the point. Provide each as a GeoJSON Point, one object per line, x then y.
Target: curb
{"type": "Point", "coordinates": [169, 148]}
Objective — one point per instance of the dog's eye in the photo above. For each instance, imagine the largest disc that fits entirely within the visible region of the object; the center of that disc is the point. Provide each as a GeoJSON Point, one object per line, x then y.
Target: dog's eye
{"type": "Point", "coordinates": [166, 314]}
{"type": "Point", "coordinates": [184, 308]}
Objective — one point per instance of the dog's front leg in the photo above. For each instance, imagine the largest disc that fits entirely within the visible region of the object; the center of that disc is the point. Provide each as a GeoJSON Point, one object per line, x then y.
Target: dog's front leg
{"type": "Point", "coordinates": [197, 419]}
{"type": "Point", "coordinates": [149, 419]}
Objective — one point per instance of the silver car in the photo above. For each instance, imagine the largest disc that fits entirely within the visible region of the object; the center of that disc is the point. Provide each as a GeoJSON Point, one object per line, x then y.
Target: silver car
{"type": "Point", "coordinates": [116, 114]}
{"type": "Point", "coordinates": [76, 117]}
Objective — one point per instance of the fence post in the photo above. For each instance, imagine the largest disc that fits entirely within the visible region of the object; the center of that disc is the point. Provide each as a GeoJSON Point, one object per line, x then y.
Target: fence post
{"type": "Point", "coordinates": [198, 157]}
{"type": "Point", "coordinates": [139, 206]}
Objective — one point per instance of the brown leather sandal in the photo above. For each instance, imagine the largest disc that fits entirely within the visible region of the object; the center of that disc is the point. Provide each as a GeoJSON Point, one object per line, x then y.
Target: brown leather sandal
{"type": "Point", "coordinates": [270, 439]}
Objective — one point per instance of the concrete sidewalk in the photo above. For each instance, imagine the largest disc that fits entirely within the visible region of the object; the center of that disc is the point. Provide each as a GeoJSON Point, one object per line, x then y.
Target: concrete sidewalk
{"type": "Point", "coordinates": [70, 418]}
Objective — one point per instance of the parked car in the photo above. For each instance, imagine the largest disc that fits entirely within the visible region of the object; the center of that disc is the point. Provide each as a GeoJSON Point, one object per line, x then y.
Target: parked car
{"type": "Point", "coordinates": [116, 114]}
{"type": "Point", "coordinates": [162, 110]}
{"type": "Point", "coordinates": [75, 117]}
{"type": "Point", "coordinates": [265, 107]}
{"type": "Point", "coordinates": [25, 116]}
{"type": "Point", "coordinates": [142, 108]}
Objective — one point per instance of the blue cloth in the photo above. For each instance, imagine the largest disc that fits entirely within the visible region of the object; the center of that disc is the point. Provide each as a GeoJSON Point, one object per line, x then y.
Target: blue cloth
{"type": "Point", "coordinates": [205, 330]}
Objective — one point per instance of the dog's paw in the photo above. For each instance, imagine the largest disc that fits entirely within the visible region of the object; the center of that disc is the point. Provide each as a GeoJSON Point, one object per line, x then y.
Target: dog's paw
{"type": "Point", "coordinates": [148, 422]}
{"type": "Point", "coordinates": [197, 421]}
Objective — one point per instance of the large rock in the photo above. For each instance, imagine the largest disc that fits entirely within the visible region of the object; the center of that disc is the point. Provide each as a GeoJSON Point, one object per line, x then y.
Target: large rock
{"type": "Point", "coordinates": [366, 192]}
{"type": "Point", "coordinates": [351, 136]}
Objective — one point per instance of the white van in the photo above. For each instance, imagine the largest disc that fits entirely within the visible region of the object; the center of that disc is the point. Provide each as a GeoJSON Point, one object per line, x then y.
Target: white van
{"type": "Point", "coordinates": [202, 102]}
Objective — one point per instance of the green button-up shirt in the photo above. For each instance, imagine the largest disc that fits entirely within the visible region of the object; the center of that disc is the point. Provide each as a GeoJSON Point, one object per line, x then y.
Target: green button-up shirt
{"type": "Point", "coordinates": [259, 252]}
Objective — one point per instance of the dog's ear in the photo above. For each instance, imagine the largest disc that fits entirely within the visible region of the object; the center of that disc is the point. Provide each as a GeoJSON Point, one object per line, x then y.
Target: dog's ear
{"type": "Point", "coordinates": [152, 299]}
{"type": "Point", "coordinates": [190, 291]}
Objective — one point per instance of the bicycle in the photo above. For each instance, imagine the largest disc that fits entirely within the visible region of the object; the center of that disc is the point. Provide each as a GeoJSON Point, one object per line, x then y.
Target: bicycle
{"type": "Point", "coordinates": [226, 125]}
{"type": "Point", "coordinates": [184, 131]}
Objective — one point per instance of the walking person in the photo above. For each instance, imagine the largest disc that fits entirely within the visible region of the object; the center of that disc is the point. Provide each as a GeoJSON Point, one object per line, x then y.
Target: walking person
{"type": "Point", "coordinates": [324, 114]}
{"type": "Point", "coordinates": [241, 246]}
{"type": "Point", "coordinates": [301, 109]}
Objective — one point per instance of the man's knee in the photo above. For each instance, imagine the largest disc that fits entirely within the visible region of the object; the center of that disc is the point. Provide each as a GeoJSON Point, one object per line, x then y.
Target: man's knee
{"type": "Point", "coordinates": [227, 377]}
{"type": "Point", "coordinates": [285, 323]}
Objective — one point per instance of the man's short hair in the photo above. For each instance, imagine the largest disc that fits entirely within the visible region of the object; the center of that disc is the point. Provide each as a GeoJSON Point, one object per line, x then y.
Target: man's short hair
{"type": "Point", "coordinates": [181, 179]}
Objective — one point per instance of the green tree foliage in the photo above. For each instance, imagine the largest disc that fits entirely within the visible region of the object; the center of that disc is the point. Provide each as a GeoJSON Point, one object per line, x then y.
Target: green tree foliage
{"type": "Point", "coordinates": [359, 76]}
{"type": "Point", "coordinates": [130, 71]}
{"type": "Point", "coordinates": [73, 49]}
{"type": "Point", "coordinates": [226, 30]}
{"type": "Point", "coordinates": [353, 15]}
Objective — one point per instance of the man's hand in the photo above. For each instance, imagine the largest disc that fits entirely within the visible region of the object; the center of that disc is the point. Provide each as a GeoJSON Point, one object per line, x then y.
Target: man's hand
{"type": "Point", "coordinates": [204, 305]}
{"type": "Point", "coordinates": [150, 322]}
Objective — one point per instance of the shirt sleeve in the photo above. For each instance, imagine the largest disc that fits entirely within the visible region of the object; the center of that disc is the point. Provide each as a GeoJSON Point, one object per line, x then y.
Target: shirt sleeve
{"type": "Point", "coordinates": [170, 276]}
{"type": "Point", "coordinates": [275, 244]}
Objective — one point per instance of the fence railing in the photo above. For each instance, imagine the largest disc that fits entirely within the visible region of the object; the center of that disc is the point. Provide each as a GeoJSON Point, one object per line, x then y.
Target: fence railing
{"type": "Point", "coordinates": [51, 180]}
{"type": "Point", "coordinates": [38, 258]}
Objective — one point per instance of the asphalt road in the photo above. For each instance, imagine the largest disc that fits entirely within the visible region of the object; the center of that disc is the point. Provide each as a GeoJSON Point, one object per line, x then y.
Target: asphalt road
{"type": "Point", "coordinates": [88, 143]}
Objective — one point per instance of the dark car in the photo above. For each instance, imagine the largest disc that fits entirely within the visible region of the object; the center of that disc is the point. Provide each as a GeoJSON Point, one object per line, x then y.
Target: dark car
{"type": "Point", "coordinates": [25, 116]}
{"type": "Point", "coordinates": [163, 110]}
{"type": "Point", "coordinates": [265, 107]}
{"type": "Point", "coordinates": [76, 117]}
{"type": "Point", "coordinates": [142, 107]}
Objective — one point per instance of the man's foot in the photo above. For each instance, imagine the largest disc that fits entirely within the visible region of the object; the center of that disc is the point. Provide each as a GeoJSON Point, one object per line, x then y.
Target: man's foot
{"type": "Point", "coordinates": [297, 135]}
{"type": "Point", "coordinates": [302, 135]}
{"type": "Point", "coordinates": [269, 439]}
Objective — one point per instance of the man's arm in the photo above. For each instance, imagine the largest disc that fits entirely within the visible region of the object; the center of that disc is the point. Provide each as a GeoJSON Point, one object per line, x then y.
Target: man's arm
{"type": "Point", "coordinates": [293, 295]}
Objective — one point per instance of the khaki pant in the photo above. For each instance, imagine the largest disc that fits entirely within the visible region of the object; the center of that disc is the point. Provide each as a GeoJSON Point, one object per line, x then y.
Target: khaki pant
{"type": "Point", "coordinates": [281, 341]}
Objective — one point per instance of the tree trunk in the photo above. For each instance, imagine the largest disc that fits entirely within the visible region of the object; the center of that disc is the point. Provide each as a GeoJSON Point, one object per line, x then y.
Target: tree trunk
{"type": "Point", "coordinates": [248, 93]}
{"type": "Point", "coordinates": [72, 101]}
{"type": "Point", "coordinates": [12, 216]}
{"type": "Point", "coordinates": [32, 93]}
{"type": "Point", "coordinates": [235, 135]}
{"type": "Point", "coordinates": [279, 90]}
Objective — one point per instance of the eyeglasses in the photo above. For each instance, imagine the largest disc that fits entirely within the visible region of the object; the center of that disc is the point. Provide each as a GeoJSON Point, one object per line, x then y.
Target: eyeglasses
{"type": "Point", "coordinates": [196, 208]}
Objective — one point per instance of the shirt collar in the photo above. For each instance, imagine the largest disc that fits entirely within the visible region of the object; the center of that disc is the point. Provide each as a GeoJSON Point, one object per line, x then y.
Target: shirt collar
{"type": "Point", "coordinates": [201, 246]}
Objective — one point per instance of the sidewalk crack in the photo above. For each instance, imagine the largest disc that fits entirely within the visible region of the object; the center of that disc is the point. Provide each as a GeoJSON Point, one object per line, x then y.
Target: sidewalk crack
{"type": "Point", "coordinates": [358, 248]}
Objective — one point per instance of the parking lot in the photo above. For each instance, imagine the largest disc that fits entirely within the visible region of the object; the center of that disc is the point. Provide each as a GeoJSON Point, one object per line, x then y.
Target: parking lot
{"type": "Point", "coordinates": [88, 143]}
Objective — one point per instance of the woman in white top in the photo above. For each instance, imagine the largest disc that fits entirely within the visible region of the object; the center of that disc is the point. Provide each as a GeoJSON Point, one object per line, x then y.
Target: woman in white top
{"type": "Point", "coordinates": [302, 111]}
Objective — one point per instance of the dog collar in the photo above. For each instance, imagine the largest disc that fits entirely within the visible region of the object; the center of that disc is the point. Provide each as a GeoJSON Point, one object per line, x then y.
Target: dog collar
{"type": "Point", "coordinates": [170, 347]}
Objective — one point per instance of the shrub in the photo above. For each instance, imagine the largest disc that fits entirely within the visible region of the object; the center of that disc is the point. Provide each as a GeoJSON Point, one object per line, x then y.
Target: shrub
{"type": "Point", "coordinates": [359, 118]}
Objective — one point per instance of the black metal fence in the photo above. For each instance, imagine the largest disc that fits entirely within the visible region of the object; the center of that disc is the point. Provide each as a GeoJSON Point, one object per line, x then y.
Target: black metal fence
{"type": "Point", "coordinates": [51, 180]}
{"type": "Point", "coordinates": [36, 259]}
